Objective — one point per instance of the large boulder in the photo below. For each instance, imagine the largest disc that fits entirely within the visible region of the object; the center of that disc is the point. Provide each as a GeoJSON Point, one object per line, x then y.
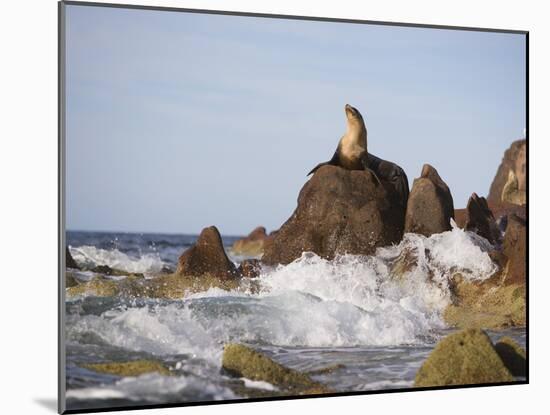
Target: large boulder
{"type": "Point", "coordinates": [340, 211]}
{"type": "Point", "coordinates": [480, 219]}
{"type": "Point", "coordinates": [514, 160]}
{"type": "Point", "coordinates": [430, 205]}
{"type": "Point", "coordinates": [207, 257]}
{"type": "Point", "coordinates": [251, 245]}
{"type": "Point", "coordinates": [511, 192]}
{"type": "Point", "coordinates": [515, 249]}
{"type": "Point", "coordinates": [464, 358]}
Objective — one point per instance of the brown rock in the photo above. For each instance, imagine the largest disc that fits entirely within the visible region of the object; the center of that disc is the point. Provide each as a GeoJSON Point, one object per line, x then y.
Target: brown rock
{"type": "Point", "coordinates": [514, 159]}
{"type": "Point", "coordinates": [515, 249]}
{"type": "Point", "coordinates": [340, 211]}
{"type": "Point", "coordinates": [249, 268]}
{"type": "Point", "coordinates": [430, 205]}
{"type": "Point", "coordinates": [252, 245]}
{"type": "Point", "coordinates": [69, 260]}
{"type": "Point", "coordinates": [207, 257]}
{"type": "Point", "coordinates": [480, 219]}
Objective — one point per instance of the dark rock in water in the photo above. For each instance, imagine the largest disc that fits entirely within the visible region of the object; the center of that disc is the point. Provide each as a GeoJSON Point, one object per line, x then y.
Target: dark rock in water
{"type": "Point", "coordinates": [430, 206]}
{"type": "Point", "coordinates": [340, 211]}
{"type": "Point", "coordinates": [512, 355]}
{"type": "Point", "coordinates": [69, 260]}
{"type": "Point", "coordinates": [107, 270]}
{"type": "Point", "coordinates": [514, 160]}
{"type": "Point", "coordinates": [242, 361]}
{"type": "Point", "coordinates": [253, 244]}
{"type": "Point", "coordinates": [515, 249]}
{"type": "Point", "coordinates": [481, 220]}
{"type": "Point", "coordinates": [464, 358]}
{"type": "Point", "coordinates": [249, 268]}
{"type": "Point", "coordinates": [207, 257]}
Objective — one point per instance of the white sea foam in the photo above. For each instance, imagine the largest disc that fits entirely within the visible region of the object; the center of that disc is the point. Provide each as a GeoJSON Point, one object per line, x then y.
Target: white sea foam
{"type": "Point", "coordinates": [155, 388]}
{"type": "Point", "coordinates": [350, 301]}
{"type": "Point", "coordinates": [90, 256]}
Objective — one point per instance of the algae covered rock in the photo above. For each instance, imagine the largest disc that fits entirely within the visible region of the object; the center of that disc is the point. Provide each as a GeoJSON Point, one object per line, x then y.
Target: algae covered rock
{"type": "Point", "coordinates": [464, 358]}
{"type": "Point", "coordinates": [207, 257]}
{"type": "Point", "coordinates": [244, 361]}
{"type": "Point", "coordinates": [488, 304]}
{"type": "Point", "coordinates": [430, 206]}
{"type": "Point", "coordinates": [512, 355]}
{"type": "Point", "coordinates": [132, 368]}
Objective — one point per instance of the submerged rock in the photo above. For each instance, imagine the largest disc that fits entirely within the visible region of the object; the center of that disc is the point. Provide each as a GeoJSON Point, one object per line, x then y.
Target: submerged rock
{"type": "Point", "coordinates": [464, 358]}
{"type": "Point", "coordinates": [252, 245]}
{"type": "Point", "coordinates": [132, 368]}
{"type": "Point", "coordinates": [207, 257]}
{"type": "Point", "coordinates": [514, 160]}
{"type": "Point", "coordinates": [515, 250]}
{"type": "Point", "coordinates": [243, 361]}
{"type": "Point", "coordinates": [480, 219]}
{"type": "Point", "coordinates": [340, 211]}
{"type": "Point", "coordinates": [430, 205]}
{"type": "Point", "coordinates": [512, 355]}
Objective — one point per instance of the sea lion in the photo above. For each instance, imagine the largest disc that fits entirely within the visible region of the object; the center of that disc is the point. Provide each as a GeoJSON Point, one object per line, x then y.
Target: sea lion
{"type": "Point", "coordinates": [352, 154]}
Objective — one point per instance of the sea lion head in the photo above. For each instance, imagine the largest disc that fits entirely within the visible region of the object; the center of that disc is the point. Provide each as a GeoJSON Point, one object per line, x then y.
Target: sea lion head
{"type": "Point", "coordinates": [353, 115]}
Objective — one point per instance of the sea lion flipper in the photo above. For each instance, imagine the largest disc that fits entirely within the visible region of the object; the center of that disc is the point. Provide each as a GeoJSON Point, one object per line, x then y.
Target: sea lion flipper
{"type": "Point", "coordinates": [366, 166]}
{"type": "Point", "coordinates": [333, 162]}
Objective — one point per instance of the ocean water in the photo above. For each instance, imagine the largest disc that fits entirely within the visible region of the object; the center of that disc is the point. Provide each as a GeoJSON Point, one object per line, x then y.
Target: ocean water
{"type": "Point", "coordinates": [308, 315]}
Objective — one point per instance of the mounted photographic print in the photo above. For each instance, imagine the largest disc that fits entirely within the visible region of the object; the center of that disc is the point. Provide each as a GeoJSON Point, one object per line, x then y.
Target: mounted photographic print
{"type": "Point", "coordinates": [258, 207]}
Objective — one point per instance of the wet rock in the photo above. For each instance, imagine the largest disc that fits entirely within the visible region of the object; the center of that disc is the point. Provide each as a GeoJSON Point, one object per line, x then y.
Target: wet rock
{"type": "Point", "coordinates": [515, 160]}
{"type": "Point", "coordinates": [511, 193]}
{"type": "Point", "coordinates": [515, 249]}
{"type": "Point", "coordinates": [340, 211]}
{"type": "Point", "coordinates": [250, 268]}
{"type": "Point", "coordinates": [480, 219]}
{"type": "Point", "coordinates": [430, 205]}
{"type": "Point", "coordinates": [114, 272]}
{"type": "Point", "coordinates": [490, 304]}
{"type": "Point", "coordinates": [70, 280]}
{"type": "Point", "coordinates": [243, 361]}
{"type": "Point", "coordinates": [132, 368]}
{"type": "Point", "coordinates": [207, 257]}
{"type": "Point", "coordinates": [172, 286]}
{"type": "Point", "coordinates": [252, 245]}
{"type": "Point", "coordinates": [464, 358]}
{"type": "Point", "coordinates": [512, 355]}
{"type": "Point", "coordinates": [69, 260]}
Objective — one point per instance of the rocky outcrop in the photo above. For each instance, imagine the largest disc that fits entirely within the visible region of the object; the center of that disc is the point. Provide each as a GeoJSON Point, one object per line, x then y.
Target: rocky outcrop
{"type": "Point", "coordinates": [464, 358]}
{"type": "Point", "coordinates": [511, 192]}
{"type": "Point", "coordinates": [207, 257]}
{"type": "Point", "coordinates": [430, 205]}
{"type": "Point", "coordinates": [480, 219]}
{"type": "Point", "coordinates": [243, 361]}
{"type": "Point", "coordinates": [132, 368]}
{"type": "Point", "coordinates": [514, 160]}
{"type": "Point", "coordinates": [515, 250]}
{"type": "Point", "coordinates": [512, 355]}
{"type": "Point", "coordinates": [252, 245]}
{"type": "Point", "coordinates": [69, 260]}
{"type": "Point", "coordinates": [340, 211]}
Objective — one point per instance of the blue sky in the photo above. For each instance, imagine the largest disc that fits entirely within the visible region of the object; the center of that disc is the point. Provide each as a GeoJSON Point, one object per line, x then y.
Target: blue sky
{"type": "Point", "coordinates": [178, 121]}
